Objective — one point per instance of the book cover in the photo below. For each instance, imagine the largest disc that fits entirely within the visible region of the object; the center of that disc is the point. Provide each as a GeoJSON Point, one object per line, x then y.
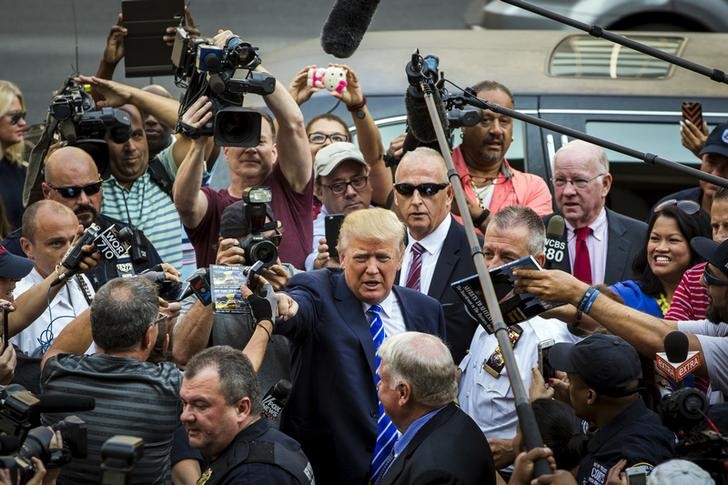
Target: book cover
{"type": "Point", "coordinates": [515, 307]}
{"type": "Point", "coordinates": [225, 284]}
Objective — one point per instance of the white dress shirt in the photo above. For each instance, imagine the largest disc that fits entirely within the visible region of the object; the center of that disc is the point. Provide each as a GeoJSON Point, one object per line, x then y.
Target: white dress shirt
{"type": "Point", "coordinates": [433, 245]}
{"type": "Point", "coordinates": [596, 242]}
{"type": "Point", "coordinates": [68, 303]}
{"type": "Point", "coordinates": [391, 315]}
{"type": "Point", "coordinates": [489, 400]}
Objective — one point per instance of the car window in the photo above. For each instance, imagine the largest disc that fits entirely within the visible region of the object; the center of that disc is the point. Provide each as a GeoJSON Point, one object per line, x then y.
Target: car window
{"type": "Point", "coordinates": [662, 139]}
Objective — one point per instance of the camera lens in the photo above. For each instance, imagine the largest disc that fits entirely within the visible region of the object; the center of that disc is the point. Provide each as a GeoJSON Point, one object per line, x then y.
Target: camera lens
{"type": "Point", "coordinates": [264, 251]}
{"type": "Point", "coordinates": [237, 127]}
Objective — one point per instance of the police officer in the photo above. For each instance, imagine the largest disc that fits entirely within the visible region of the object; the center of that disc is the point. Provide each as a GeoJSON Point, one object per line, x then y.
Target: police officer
{"type": "Point", "coordinates": [604, 373]}
{"type": "Point", "coordinates": [222, 415]}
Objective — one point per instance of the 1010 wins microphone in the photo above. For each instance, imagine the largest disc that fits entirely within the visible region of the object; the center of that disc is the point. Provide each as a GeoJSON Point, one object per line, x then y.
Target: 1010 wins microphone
{"type": "Point", "coordinates": [555, 242]}
{"type": "Point", "coordinates": [676, 363]}
{"type": "Point", "coordinates": [111, 243]}
{"type": "Point", "coordinates": [346, 26]}
{"type": "Point", "coordinates": [275, 400]}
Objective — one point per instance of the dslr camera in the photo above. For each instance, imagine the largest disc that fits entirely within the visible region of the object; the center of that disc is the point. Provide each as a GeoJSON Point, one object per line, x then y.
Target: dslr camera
{"type": "Point", "coordinates": [257, 247]}
{"type": "Point", "coordinates": [206, 70]}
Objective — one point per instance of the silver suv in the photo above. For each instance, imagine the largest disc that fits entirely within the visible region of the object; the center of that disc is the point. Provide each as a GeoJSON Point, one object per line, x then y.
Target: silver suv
{"type": "Point", "coordinates": [674, 15]}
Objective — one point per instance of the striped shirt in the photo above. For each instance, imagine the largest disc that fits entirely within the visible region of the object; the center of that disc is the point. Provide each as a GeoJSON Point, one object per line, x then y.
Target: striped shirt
{"type": "Point", "coordinates": [690, 300]}
{"type": "Point", "coordinates": [148, 208]}
{"type": "Point", "coordinates": [132, 398]}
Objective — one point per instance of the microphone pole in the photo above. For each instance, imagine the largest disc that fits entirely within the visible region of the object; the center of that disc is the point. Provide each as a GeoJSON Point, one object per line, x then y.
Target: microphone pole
{"type": "Point", "coordinates": [649, 158]}
{"type": "Point", "coordinates": [529, 427]}
{"type": "Point", "coordinates": [596, 31]}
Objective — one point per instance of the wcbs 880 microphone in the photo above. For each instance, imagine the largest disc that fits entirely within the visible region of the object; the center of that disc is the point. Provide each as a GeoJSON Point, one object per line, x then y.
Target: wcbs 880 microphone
{"type": "Point", "coordinates": [555, 242]}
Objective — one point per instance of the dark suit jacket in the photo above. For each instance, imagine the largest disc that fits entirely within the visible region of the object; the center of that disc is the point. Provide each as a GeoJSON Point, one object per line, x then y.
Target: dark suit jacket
{"type": "Point", "coordinates": [625, 238]}
{"type": "Point", "coordinates": [449, 449]}
{"type": "Point", "coordinates": [454, 263]}
{"type": "Point", "coordinates": [332, 408]}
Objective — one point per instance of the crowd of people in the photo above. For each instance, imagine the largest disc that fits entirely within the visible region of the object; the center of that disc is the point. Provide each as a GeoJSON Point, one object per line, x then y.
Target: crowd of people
{"type": "Point", "coordinates": [392, 379]}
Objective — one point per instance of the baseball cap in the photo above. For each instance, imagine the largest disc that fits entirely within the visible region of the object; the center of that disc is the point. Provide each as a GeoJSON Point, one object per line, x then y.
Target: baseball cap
{"type": "Point", "coordinates": [233, 222]}
{"type": "Point", "coordinates": [12, 266]}
{"type": "Point", "coordinates": [329, 157]}
{"type": "Point", "coordinates": [679, 472]}
{"type": "Point", "coordinates": [717, 141]}
{"type": "Point", "coordinates": [606, 363]}
{"type": "Point", "coordinates": [716, 254]}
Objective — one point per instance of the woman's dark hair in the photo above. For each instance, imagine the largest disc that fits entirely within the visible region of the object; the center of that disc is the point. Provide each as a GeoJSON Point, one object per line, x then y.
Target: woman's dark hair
{"type": "Point", "coordinates": [561, 431]}
{"type": "Point", "coordinates": [330, 117]}
{"type": "Point", "coordinates": [690, 226]}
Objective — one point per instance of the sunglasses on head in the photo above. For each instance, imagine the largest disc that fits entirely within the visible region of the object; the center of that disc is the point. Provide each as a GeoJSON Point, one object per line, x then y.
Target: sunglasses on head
{"type": "Point", "coordinates": [425, 190]}
{"type": "Point", "coordinates": [689, 207]}
{"type": "Point", "coordinates": [712, 280]}
{"type": "Point", "coordinates": [16, 117]}
{"type": "Point", "coordinates": [75, 190]}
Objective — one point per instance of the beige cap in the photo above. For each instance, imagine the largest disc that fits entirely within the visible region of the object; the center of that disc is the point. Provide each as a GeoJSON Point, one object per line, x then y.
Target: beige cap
{"type": "Point", "coordinates": [329, 157]}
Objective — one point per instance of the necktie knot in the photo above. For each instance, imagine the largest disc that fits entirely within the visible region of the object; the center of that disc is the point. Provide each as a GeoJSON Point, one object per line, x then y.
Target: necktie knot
{"type": "Point", "coordinates": [582, 233]}
{"type": "Point", "coordinates": [417, 248]}
{"type": "Point", "coordinates": [375, 309]}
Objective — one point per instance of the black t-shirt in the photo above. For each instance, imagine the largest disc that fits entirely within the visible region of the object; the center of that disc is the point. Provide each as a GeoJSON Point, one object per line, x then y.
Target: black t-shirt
{"type": "Point", "coordinates": [637, 435]}
{"type": "Point", "coordinates": [11, 191]}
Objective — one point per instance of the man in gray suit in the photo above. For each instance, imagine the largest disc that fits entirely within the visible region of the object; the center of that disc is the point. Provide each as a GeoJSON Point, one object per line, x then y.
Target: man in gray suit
{"type": "Point", "coordinates": [601, 243]}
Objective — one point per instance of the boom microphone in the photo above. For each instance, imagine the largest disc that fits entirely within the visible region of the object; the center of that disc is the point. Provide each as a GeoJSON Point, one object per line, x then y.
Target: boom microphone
{"type": "Point", "coordinates": [418, 117]}
{"type": "Point", "coordinates": [555, 243]}
{"type": "Point", "coordinates": [64, 403]}
{"type": "Point", "coordinates": [346, 26]}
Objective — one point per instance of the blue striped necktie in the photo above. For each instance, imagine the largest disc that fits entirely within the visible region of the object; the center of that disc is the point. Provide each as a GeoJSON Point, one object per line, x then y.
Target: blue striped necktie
{"type": "Point", "coordinates": [386, 431]}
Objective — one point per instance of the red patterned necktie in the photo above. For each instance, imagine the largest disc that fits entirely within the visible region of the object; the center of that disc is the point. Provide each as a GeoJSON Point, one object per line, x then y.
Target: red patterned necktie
{"type": "Point", "coordinates": [582, 264]}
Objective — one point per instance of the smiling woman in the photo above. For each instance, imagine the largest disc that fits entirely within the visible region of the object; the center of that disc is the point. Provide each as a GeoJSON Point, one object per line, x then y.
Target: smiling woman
{"type": "Point", "coordinates": [667, 254]}
{"type": "Point", "coordinates": [12, 166]}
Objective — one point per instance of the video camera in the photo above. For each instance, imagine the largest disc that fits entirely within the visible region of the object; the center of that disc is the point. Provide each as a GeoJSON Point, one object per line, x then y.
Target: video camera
{"type": "Point", "coordinates": [24, 438]}
{"type": "Point", "coordinates": [79, 120]}
{"type": "Point", "coordinates": [207, 70]}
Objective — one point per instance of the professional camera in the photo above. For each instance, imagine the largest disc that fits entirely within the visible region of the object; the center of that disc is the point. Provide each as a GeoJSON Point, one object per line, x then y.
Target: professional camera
{"type": "Point", "coordinates": [79, 119]}
{"type": "Point", "coordinates": [256, 246]}
{"type": "Point", "coordinates": [207, 70]}
{"type": "Point", "coordinates": [119, 455]}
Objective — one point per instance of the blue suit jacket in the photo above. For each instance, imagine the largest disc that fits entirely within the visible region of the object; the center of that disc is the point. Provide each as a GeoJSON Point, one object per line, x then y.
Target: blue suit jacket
{"type": "Point", "coordinates": [332, 408]}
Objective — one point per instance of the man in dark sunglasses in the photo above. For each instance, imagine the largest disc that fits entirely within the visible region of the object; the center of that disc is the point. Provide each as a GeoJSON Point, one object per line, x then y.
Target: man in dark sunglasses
{"type": "Point", "coordinates": [71, 178]}
{"type": "Point", "coordinates": [437, 248]}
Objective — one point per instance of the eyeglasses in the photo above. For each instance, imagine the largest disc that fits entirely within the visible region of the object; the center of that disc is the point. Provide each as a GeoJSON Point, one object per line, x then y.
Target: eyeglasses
{"type": "Point", "coordinates": [74, 191]}
{"type": "Point", "coordinates": [357, 183]}
{"type": "Point", "coordinates": [711, 280]}
{"type": "Point", "coordinates": [578, 183]}
{"type": "Point", "coordinates": [320, 138]}
{"type": "Point", "coordinates": [689, 207]}
{"type": "Point", "coordinates": [425, 190]}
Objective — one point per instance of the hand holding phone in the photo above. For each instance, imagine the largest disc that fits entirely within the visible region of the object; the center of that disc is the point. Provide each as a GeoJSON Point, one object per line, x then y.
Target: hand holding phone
{"type": "Point", "coordinates": [332, 224]}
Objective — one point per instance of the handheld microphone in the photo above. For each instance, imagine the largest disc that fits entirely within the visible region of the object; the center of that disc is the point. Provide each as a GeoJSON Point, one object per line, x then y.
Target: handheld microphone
{"type": "Point", "coordinates": [110, 242]}
{"type": "Point", "coordinates": [275, 400]}
{"type": "Point", "coordinates": [676, 363]}
{"type": "Point", "coordinates": [346, 25]}
{"type": "Point", "coordinates": [555, 242]}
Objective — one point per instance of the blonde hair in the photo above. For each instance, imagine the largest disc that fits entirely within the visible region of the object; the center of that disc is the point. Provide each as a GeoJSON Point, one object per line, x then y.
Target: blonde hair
{"type": "Point", "coordinates": [372, 225]}
{"type": "Point", "coordinates": [8, 92]}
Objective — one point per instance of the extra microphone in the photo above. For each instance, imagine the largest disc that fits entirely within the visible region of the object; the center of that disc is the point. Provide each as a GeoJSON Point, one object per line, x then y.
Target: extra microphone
{"type": "Point", "coordinates": [275, 400]}
{"type": "Point", "coordinates": [111, 243]}
{"type": "Point", "coordinates": [555, 242]}
{"type": "Point", "coordinates": [346, 26]}
{"type": "Point", "coordinates": [676, 363]}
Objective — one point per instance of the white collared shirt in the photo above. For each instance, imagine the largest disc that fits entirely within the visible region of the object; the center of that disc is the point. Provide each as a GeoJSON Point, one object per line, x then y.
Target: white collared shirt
{"type": "Point", "coordinates": [433, 246]}
{"type": "Point", "coordinates": [68, 303]}
{"type": "Point", "coordinates": [596, 242]}
{"type": "Point", "coordinates": [391, 314]}
{"type": "Point", "coordinates": [489, 400]}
